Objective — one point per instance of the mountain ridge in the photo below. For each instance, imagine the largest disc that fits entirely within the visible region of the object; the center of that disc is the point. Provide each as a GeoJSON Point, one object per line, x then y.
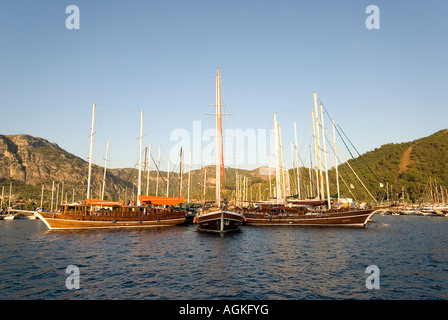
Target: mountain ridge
{"type": "Point", "coordinates": [29, 162]}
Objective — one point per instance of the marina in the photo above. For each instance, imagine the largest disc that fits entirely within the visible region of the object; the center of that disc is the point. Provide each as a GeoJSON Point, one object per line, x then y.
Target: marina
{"type": "Point", "coordinates": [223, 157]}
{"type": "Point", "coordinates": [283, 247]}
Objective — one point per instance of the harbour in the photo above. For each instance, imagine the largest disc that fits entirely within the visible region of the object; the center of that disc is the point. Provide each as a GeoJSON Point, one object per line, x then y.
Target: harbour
{"type": "Point", "coordinates": [256, 263]}
{"type": "Point", "coordinates": [223, 158]}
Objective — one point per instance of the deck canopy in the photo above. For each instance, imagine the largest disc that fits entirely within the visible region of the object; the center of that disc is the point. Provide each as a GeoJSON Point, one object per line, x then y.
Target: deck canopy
{"type": "Point", "coordinates": [99, 202]}
{"type": "Point", "coordinates": [151, 200]}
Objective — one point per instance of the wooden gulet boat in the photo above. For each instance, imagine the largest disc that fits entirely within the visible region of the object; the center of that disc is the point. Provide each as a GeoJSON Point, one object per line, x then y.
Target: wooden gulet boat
{"type": "Point", "coordinates": [101, 214]}
{"type": "Point", "coordinates": [98, 214]}
{"type": "Point", "coordinates": [221, 218]}
{"type": "Point", "coordinates": [269, 215]}
{"type": "Point", "coordinates": [305, 212]}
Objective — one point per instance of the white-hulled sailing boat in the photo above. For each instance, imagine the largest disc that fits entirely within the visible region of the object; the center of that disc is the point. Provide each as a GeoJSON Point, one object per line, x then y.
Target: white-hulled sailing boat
{"type": "Point", "coordinates": [220, 218]}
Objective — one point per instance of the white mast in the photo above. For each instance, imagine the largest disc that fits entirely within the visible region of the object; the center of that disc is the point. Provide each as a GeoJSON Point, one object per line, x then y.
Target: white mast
{"type": "Point", "coordinates": [10, 190]}
{"type": "Point", "coordinates": [311, 193]}
{"type": "Point", "coordinates": [105, 168]}
{"type": "Point", "coordinates": [52, 195]}
{"type": "Point", "coordinates": [57, 198]}
{"type": "Point", "coordinates": [315, 155]}
{"type": "Point", "coordinates": [139, 188]}
{"type": "Point", "coordinates": [277, 163]}
{"type": "Point", "coordinates": [269, 170]}
{"type": "Point", "coordinates": [149, 169]}
{"type": "Point", "coordinates": [181, 169]}
{"type": "Point", "coordinates": [299, 194]}
{"type": "Point", "coordinates": [319, 155]}
{"type": "Point", "coordinates": [335, 160]}
{"type": "Point", "coordinates": [205, 181]}
{"type": "Point", "coordinates": [3, 191]}
{"type": "Point", "coordinates": [168, 179]}
{"type": "Point", "coordinates": [189, 177]}
{"type": "Point", "coordinates": [283, 164]}
{"type": "Point", "coordinates": [62, 193]}
{"type": "Point", "coordinates": [325, 156]}
{"type": "Point", "coordinates": [91, 150]}
{"type": "Point", "coordinates": [245, 192]}
{"type": "Point", "coordinates": [158, 169]}
{"type": "Point", "coordinates": [240, 189]}
{"type": "Point", "coordinates": [237, 193]}
{"type": "Point", "coordinates": [41, 198]}
{"type": "Point", "coordinates": [293, 166]}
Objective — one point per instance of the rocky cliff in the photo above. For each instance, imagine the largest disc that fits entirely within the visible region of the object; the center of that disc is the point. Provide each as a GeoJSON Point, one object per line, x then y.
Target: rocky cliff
{"type": "Point", "coordinates": [35, 161]}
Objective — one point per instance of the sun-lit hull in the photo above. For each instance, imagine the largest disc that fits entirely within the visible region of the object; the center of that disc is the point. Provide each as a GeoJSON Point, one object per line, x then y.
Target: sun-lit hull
{"type": "Point", "coordinates": [57, 221]}
{"type": "Point", "coordinates": [219, 221]}
{"type": "Point", "coordinates": [352, 218]}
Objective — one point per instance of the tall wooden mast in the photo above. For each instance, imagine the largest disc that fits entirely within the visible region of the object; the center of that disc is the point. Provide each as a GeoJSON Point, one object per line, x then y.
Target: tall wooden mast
{"type": "Point", "coordinates": [219, 144]}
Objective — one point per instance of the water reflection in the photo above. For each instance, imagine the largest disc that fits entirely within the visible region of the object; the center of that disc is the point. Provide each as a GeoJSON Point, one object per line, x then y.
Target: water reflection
{"type": "Point", "coordinates": [255, 263]}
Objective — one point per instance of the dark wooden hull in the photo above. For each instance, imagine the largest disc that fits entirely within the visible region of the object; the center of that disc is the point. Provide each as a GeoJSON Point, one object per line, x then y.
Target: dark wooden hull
{"type": "Point", "coordinates": [59, 221]}
{"type": "Point", "coordinates": [350, 218]}
{"type": "Point", "coordinates": [309, 202]}
{"type": "Point", "coordinates": [219, 221]}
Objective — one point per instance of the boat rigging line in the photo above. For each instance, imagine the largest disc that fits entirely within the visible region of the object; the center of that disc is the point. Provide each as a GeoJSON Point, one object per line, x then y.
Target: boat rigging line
{"type": "Point", "coordinates": [338, 127]}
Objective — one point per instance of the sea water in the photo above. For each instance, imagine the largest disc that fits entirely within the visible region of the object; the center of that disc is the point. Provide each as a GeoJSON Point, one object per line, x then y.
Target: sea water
{"type": "Point", "coordinates": [408, 253]}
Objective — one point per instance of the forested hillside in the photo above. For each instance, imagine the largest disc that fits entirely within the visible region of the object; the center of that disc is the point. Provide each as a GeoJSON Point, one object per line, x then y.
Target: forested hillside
{"type": "Point", "coordinates": [27, 163]}
{"type": "Point", "coordinates": [409, 165]}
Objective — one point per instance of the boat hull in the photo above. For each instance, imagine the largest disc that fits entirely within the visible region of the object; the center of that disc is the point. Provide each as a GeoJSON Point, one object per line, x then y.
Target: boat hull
{"type": "Point", "coordinates": [57, 221]}
{"type": "Point", "coordinates": [219, 221]}
{"type": "Point", "coordinates": [355, 218]}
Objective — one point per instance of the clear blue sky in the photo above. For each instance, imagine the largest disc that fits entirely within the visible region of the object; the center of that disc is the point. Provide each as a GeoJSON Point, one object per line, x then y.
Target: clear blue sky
{"type": "Point", "coordinates": [381, 86]}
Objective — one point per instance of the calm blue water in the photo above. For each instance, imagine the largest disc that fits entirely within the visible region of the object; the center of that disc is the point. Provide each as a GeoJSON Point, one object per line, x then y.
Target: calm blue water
{"type": "Point", "coordinates": [281, 263]}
